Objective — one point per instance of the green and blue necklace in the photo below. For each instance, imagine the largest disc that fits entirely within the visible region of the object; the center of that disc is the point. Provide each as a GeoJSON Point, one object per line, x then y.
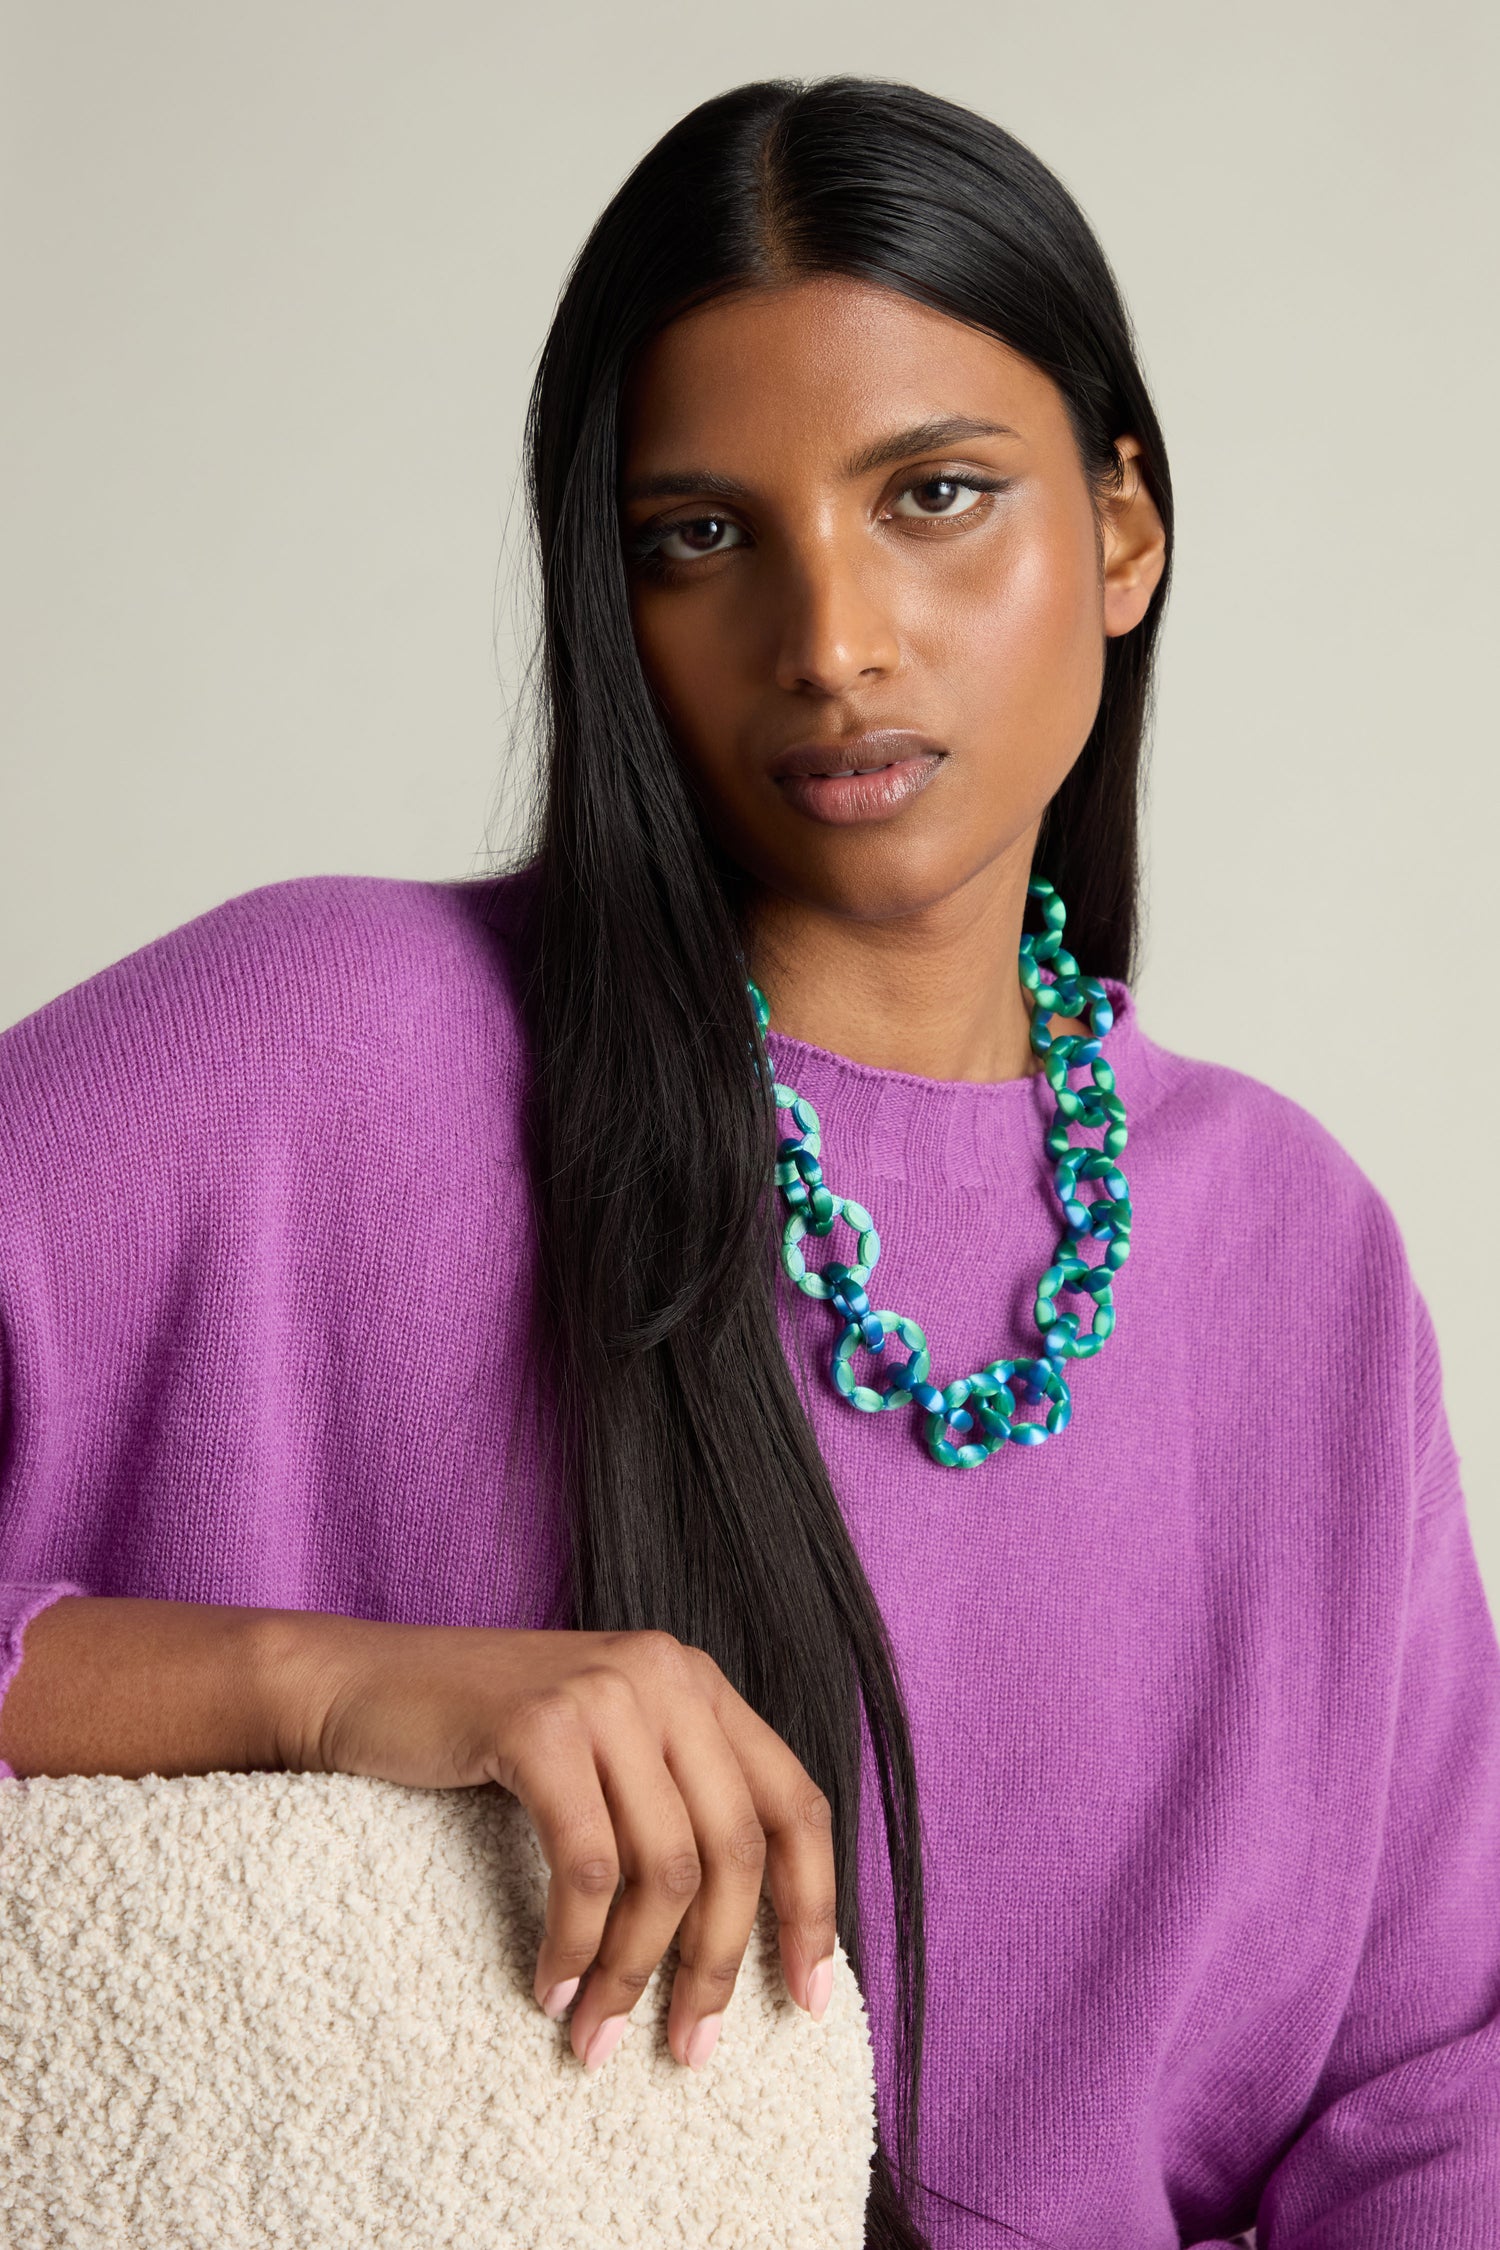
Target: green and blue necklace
{"type": "Point", "coordinates": [972, 1417]}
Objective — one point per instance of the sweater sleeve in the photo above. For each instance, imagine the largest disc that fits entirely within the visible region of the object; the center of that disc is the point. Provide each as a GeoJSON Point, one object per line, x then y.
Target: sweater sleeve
{"type": "Point", "coordinates": [19, 1604]}
{"type": "Point", "coordinates": [1401, 2140]}
{"type": "Point", "coordinates": [21, 1599]}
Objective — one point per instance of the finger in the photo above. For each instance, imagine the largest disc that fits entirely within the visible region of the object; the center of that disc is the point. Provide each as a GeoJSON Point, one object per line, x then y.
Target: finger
{"type": "Point", "coordinates": [557, 1781]}
{"type": "Point", "coordinates": [659, 1862]}
{"type": "Point", "coordinates": [797, 1820]}
{"type": "Point", "coordinates": [716, 1928]}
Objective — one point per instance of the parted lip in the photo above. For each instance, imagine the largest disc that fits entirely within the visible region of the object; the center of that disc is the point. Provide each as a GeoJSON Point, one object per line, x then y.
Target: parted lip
{"type": "Point", "coordinates": [853, 753]}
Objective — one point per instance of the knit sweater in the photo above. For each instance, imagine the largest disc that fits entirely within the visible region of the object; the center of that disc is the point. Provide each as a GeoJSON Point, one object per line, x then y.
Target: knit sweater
{"type": "Point", "coordinates": [1205, 1693]}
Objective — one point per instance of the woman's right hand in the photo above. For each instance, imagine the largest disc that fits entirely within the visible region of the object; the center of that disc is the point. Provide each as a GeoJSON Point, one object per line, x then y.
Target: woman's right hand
{"type": "Point", "coordinates": [634, 1758]}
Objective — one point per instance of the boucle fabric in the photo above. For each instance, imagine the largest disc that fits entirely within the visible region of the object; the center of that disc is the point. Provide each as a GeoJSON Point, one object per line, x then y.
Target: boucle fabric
{"type": "Point", "coordinates": [246, 2010]}
{"type": "Point", "coordinates": [1205, 1695]}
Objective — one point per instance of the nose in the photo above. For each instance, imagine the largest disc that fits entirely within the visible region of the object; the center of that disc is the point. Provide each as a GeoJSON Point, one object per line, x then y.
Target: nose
{"type": "Point", "coordinates": [837, 632]}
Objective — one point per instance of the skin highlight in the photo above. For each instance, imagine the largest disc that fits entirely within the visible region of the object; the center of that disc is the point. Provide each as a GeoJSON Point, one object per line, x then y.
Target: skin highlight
{"type": "Point", "coordinates": [844, 511]}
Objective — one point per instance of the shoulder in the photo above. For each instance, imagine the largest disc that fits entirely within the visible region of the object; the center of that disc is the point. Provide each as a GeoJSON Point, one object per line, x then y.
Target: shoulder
{"type": "Point", "coordinates": [1215, 1104]}
{"type": "Point", "coordinates": [1262, 1189]}
{"type": "Point", "coordinates": [283, 983]}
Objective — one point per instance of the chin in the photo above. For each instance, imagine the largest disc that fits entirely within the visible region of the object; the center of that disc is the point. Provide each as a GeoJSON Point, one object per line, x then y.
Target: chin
{"type": "Point", "coordinates": [885, 882]}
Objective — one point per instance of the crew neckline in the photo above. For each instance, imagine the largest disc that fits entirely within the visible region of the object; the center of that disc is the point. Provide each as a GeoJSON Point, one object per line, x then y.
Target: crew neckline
{"type": "Point", "coordinates": [959, 1132]}
{"type": "Point", "coordinates": [1122, 1039]}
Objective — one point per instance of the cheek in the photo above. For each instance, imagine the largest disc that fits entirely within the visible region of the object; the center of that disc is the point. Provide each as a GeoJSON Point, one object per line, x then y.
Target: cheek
{"type": "Point", "coordinates": [688, 663]}
{"type": "Point", "coordinates": [707, 667]}
{"type": "Point", "coordinates": [651, 624]}
{"type": "Point", "coordinates": [1020, 635]}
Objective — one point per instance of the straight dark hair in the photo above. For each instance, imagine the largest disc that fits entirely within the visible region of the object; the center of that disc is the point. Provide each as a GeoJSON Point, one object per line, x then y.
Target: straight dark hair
{"type": "Point", "coordinates": [700, 1503]}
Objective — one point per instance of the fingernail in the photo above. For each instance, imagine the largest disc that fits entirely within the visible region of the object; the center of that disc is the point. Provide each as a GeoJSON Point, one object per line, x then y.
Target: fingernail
{"type": "Point", "coordinates": [703, 2040]}
{"type": "Point", "coordinates": [819, 1990]}
{"type": "Point", "coordinates": [604, 2042]}
{"type": "Point", "coordinates": [559, 1998]}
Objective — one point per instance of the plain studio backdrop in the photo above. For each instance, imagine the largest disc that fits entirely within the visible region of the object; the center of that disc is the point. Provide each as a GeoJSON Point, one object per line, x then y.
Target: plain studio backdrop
{"type": "Point", "coordinates": [275, 278]}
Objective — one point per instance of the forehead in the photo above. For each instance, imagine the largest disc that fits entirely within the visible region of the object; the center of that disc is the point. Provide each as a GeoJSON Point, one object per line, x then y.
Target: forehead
{"type": "Point", "coordinates": [816, 367]}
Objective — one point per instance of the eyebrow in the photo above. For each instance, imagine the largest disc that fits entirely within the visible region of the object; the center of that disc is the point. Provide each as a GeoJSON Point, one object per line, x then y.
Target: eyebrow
{"type": "Point", "coordinates": [922, 437]}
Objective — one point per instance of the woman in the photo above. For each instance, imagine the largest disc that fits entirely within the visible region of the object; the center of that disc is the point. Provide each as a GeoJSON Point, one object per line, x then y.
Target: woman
{"type": "Point", "coordinates": [400, 1379]}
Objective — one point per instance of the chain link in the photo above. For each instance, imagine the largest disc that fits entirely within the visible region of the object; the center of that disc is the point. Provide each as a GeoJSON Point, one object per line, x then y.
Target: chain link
{"type": "Point", "coordinates": [969, 1419]}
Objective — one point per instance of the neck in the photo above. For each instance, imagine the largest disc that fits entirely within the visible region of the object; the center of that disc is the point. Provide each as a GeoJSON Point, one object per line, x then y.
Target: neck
{"type": "Point", "coordinates": [935, 992]}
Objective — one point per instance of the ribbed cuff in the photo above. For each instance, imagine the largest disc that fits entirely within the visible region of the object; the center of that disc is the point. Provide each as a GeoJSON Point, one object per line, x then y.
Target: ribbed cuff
{"type": "Point", "coordinates": [18, 1605]}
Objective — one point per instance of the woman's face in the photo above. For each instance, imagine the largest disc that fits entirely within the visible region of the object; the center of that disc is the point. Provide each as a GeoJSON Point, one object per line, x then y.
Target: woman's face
{"type": "Point", "coordinates": [862, 545]}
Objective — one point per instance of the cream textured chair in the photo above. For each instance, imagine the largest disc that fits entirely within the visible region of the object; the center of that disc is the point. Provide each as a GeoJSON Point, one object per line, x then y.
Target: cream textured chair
{"type": "Point", "coordinates": [245, 2010]}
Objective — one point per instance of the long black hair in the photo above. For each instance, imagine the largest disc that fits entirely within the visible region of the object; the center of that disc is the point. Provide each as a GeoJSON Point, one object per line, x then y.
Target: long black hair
{"type": "Point", "coordinates": [700, 1502]}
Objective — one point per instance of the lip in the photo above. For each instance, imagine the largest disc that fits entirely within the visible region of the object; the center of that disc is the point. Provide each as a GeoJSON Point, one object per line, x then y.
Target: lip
{"type": "Point", "coordinates": [856, 778]}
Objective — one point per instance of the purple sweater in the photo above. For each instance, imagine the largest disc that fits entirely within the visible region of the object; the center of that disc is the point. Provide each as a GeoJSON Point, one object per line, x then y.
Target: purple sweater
{"type": "Point", "coordinates": [1205, 1691]}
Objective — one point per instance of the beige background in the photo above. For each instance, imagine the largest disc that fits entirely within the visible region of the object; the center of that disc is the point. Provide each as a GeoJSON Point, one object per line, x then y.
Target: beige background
{"type": "Point", "coordinates": [274, 278]}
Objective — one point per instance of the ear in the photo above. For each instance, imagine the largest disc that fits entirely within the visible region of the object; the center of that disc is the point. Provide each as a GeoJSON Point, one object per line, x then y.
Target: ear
{"type": "Point", "coordinates": [1135, 544]}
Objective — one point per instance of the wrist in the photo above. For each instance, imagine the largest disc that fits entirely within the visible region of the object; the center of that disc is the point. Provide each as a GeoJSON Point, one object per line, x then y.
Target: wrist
{"type": "Point", "coordinates": [297, 1660]}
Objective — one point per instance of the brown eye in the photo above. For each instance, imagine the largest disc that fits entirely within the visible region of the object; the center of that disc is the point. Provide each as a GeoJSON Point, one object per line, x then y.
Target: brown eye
{"type": "Point", "coordinates": [704, 535]}
{"type": "Point", "coordinates": [938, 496]}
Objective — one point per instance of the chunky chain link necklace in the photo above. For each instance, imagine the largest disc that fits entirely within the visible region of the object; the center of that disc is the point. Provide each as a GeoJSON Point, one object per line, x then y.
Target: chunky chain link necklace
{"type": "Point", "coordinates": [972, 1417]}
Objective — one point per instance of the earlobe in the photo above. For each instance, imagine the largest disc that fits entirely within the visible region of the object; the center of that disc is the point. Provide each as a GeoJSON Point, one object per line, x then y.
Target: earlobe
{"type": "Point", "coordinates": [1135, 545]}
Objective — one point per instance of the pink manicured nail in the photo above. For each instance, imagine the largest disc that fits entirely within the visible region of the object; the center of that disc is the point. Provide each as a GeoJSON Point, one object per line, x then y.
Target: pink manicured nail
{"type": "Point", "coordinates": [604, 2042]}
{"type": "Point", "coordinates": [559, 1998]}
{"type": "Point", "coordinates": [819, 1990]}
{"type": "Point", "coordinates": [703, 2040]}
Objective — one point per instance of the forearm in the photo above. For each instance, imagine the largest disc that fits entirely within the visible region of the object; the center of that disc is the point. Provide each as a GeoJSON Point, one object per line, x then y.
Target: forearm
{"type": "Point", "coordinates": [134, 1687]}
{"type": "Point", "coordinates": [1410, 2157]}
